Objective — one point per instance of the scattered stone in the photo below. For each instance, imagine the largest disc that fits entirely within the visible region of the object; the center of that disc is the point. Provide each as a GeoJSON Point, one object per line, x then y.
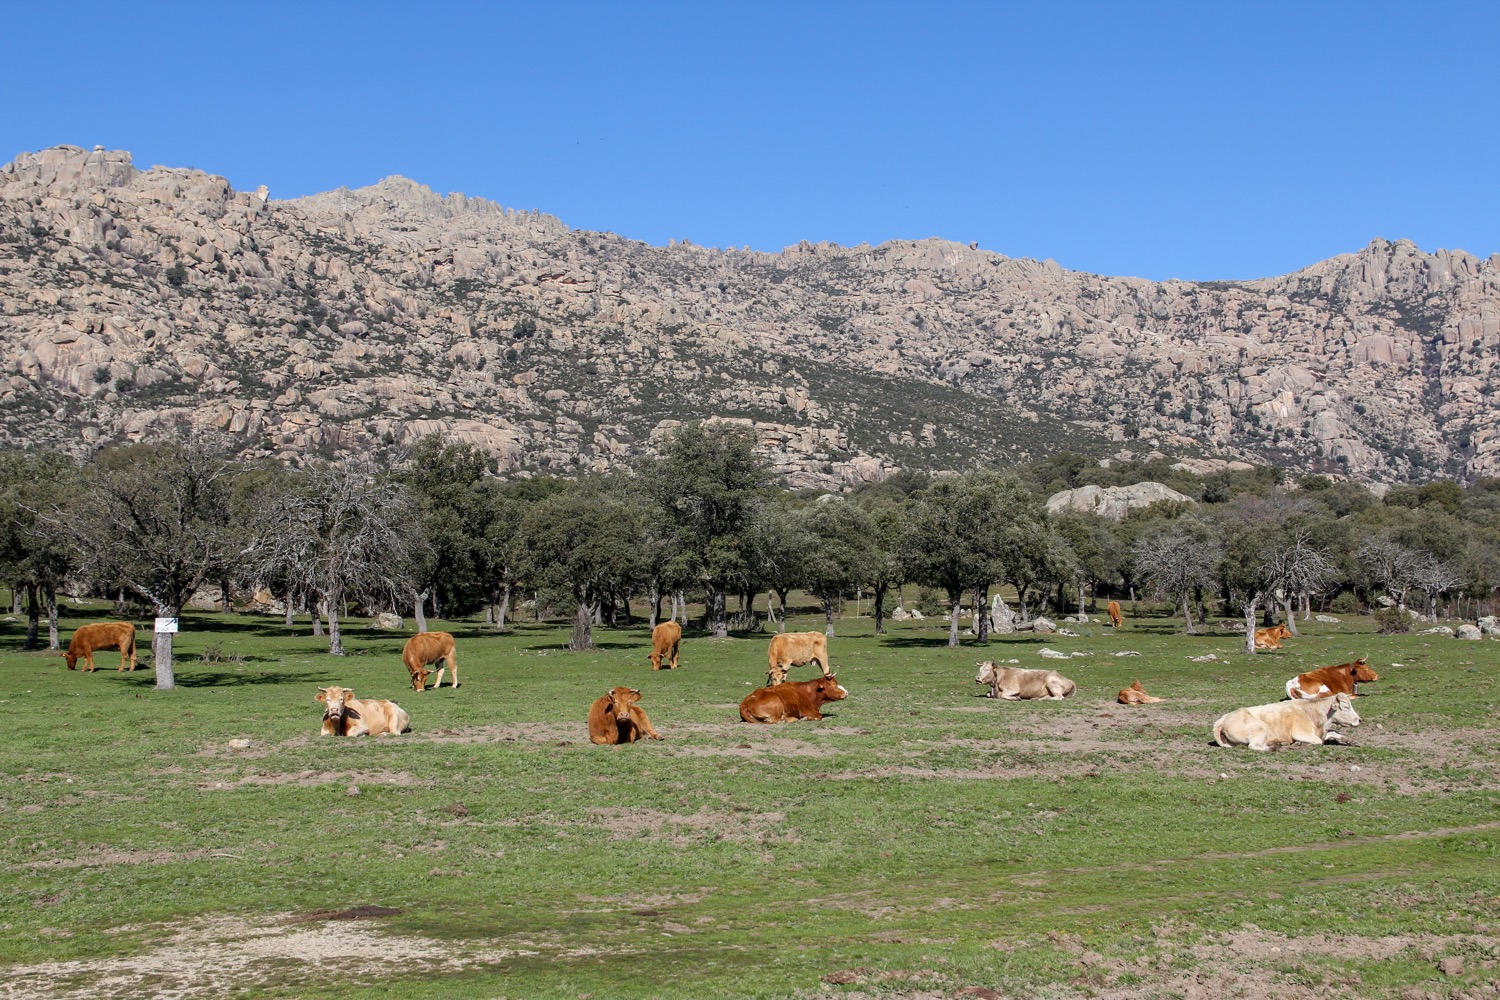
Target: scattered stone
{"type": "Point", "coordinates": [1046, 652]}
{"type": "Point", "coordinates": [1467, 631]}
{"type": "Point", "coordinates": [1204, 659]}
{"type": "Point", "coordinates": [352, 791]}
{"type": "Point", "coordinates": [1439, 630]}
{"type": "Point", "coordinates": [1127, 652]}
{"type": "Point", "coordinates": [1067, 632]}
{"type": "Point", "coordinates": [1328, 619]}
{"type": "Point", "coordinates": [900, 615]}
{"type": "Point", "coordinates": [1080, 652]}
{"type": "Point", "coordinates": [1453, 965]}
{"type": "Point", "coordinates": [916, 614]}
{"type": "Point", "coordinates": [388, 621]}
{"type": "Point", "coordinates": [1489, 625]}
{"type": "Point", "coordinates": [1044, 625]}
{"type": "Point", "coordinates": [1002, 618]}
{"type": "Point", "coordinates": [240, 744]}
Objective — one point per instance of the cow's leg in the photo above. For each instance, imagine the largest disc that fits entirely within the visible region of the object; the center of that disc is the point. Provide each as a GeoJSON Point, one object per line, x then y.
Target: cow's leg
{"type": "Point", "coordinates": [1333, 737]}
{"type": "Point", "coordinates": [88, 659]}
{"type": "Point", "coordinates": [643, 723]}
{"type": "Point", "coordinates": [453, 669]}
{"type": "Point", "coordinates": [442, 669]}
{"type": "Point", "coordinates": [1010, 695]}
{"type": "Point", "coordinates": [675, 646]}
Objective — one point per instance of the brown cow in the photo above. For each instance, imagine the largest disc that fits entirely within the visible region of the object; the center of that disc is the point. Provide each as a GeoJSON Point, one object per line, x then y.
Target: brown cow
{"type": "Point", "coordinates": [1342, 679]}
{"type": "Point", "coordinates": [1136, 695]}
{"type": "Point", "coordinates": [665, 639]}
{"type": "Point", "coordinates": [430, 647]}
{"type": "Point", "coordinates": [89, 639]}
{"type": "Point", "coordinates": [618, 718]}
{"type": "Point", "coordinates": [791, 700]}
{"type": "Point", "coordinates": [1115, 618]}
{"type": "Point", "coordinates": [793, 649]}
{"type": "Point", "coordinates": [1270, 638]}
{"type": "Point", "coordinates": [346, 715]}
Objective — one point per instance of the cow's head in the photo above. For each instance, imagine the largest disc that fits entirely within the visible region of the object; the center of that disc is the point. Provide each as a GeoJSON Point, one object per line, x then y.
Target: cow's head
{"type": "Point", "coordinates": [831, 688]}
{"type": "Point", "coordinates": [620, 700]}
{"type": "Point", "coordinates": [655, 657]}
{"type": "Point", "coordinates": [1360, 671]}
{"type": "Point", "coordinates": [419, 678]}
{"type": "Point", "coordinates": [72, 659]}
{"type": "Point", "coordinates": [987, 673]}
{"type": "Point", "coordinates": [1343, 713]}
{"type": "Point", "coordinates": [336, 701]}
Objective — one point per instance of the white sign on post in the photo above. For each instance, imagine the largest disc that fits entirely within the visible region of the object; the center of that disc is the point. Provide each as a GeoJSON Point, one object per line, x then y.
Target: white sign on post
{"type": "Point", "coordinates": [166, 625]}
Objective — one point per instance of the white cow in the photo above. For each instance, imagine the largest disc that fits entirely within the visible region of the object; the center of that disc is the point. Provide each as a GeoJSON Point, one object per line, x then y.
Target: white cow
{"type": "Point", "coordinates": [1285, 723]}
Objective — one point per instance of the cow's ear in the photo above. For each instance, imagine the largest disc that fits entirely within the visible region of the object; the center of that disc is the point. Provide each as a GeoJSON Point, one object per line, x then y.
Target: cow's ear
{"type": "Point", "coordinates": [322, 695]}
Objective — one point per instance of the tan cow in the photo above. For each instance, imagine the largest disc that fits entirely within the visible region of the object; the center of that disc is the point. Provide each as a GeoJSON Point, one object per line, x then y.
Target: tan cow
{"type": "Point", "coordinates": [791, 700]}
{"type": "Point", "coordinates": [1115, 618]}
{"type": "Point", "coordinates": [346, 715]}
{"type": "Point", "coordinates": [1270, 638]}
{"type": "Point", "coordinates": [793, 649]}
{"type": "Point", "coordinates": [430, 647]}
{"type": "Point", "coordinates": [89, 639]}
{"type": "Point", "coordinates": [665, 639]}
{"type": "Point", "coordinates": [618, 718]}
{"type": "Point", "coordinates": [1136, 695]}
{"type": "Point", "coordinates": [1286, 723]}
{"type": "Point", "coordinates": [1325, 681]}
{"type": "Point", "coordinates": [1018, 683]}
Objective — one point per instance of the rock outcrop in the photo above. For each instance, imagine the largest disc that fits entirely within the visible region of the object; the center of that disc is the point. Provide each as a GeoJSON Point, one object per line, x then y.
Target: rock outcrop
{"type": "Point", "coordinates": [1113, 501]}
{"type": "Point", "coordinates": [136, 304]}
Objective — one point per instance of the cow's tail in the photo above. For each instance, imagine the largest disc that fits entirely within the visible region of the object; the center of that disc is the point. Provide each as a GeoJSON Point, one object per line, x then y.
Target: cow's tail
{"type": "Point", "coordinates": [1219, 731]}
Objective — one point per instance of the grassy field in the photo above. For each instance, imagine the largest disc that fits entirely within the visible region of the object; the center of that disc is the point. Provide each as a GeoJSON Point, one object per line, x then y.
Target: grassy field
{"type": "Point", "coordinates": [923, 841]}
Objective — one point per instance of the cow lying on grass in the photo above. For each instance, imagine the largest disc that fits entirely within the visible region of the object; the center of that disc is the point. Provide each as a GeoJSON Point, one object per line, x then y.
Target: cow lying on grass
{"type": "Point", "coordinates": [793, 649]}
{"type": "Point", "coordinates": [665, 640]}
{"type": "Point", "coordinates": [791, 700]}
{"type": "Point", "coordinates": [1286, 723]}
{"type": "Point", "coordinates": [89, 639]}
{"type": "Point", "coordinates": [1325, 681]}
{"type": "Point", "coordinates": [346, 715]}
{"type": "Point", "coordinates": [1136, 695]}
{"type": "Point", "coordinates": [430, 647]}
{"type": "Point", "coordinates": [1018, 683]}
{"type": "Point", "coordinates": [618, 718]}
{"type": "Point", "coordinates": [1270, 638]}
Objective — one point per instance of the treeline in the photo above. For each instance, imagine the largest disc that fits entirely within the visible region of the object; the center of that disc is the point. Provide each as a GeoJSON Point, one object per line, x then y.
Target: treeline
{"type": "Point", "coordinates": [707, 521]}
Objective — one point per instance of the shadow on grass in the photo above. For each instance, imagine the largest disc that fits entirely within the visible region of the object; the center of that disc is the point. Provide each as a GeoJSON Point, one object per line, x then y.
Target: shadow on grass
{"type": "Point", "coordinates": [191, 676]}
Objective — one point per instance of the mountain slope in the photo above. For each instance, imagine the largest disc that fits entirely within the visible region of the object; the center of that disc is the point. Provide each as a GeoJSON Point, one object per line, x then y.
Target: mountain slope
{"type": "Point", "coordinates": [135, 302]}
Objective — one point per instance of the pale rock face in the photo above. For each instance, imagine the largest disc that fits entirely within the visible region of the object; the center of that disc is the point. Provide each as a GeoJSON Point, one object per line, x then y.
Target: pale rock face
{"type": "Point", "coordinates": [345, 321]}
{"type": "Point", "coordinates": [1467, 631]}
{"type": "Point", "coordinates": [1113, 501]}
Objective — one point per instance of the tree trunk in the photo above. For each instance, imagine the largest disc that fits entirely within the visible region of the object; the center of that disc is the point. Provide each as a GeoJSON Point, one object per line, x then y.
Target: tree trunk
{"type": "Point", "coordinates": [878, 607]}
{"type": "Point", "coordinates": [1133, 609]}
{"type": "Point", "coordinates": [503, 610]}
{"type": "Point", "coordinates": [15, 599]}
{"type": "Point", "coordinates": [1291, 614]}
{"type": "Point", "coordinates": [1187, 613]}
{"type": "Point", "coordinates": [1021, 614]}
{"type": "Point", "coordinates": [981, 619]}
{"type": "Point", "coordinates": [419, 612]}
{"type": "Point", "coordinates": [682, 606]}
{"type": "Point", "coordinates": [161, 650]}
{"type": "Point", "coordinates": [1306, 606]}
{"type": "Point", "coordinates": [1250, 626]}
{"type": "Point", "coordinates": [828, 602]}
{"type": "Point", "coordinates": [955, 601]}
{"type": "Point", "coordinates": [583, 626]}
{"type": "Point", "coordinates": [1431, 604]}
{"type": "Point", "coordinates": [314, 607]}
{"type": "Point", "coordinates": [719, 614]}
{"type": "Point", "coordinates": [335, 640]}
{"type": "Point", "coordinates": [224, 593]}
{"type": "Point", "coordinates": [1083, 615]}
{"type": "Point", "coordinates": [781, 596]}
{"type": "Point", "coordinates": [119, 604]}
{"type": "Point", "coordinates": [289, 616]}
{"type": "Point", "coordinates": [653, 599]}
{"type": "Point", "coordinates": [33, 616]}
{"type": "Point", "coordinates": [52, 642]}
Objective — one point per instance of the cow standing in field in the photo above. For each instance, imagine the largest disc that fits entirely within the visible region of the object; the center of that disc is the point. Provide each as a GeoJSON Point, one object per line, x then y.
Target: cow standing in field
{"type": "Point", "coordinates": [1286, 723]}
{"type": "Point", "coordinates": [665, 640]}
{"type": "Point", "coordinates": [89, 639]}
{"type": "Point", "coordinates": [1270, 638]}
{"type": "Point", "coordinates": [1116, 619]}
{"type": "Point", "coordinates": [430, 647]}
{"type": "Point", "coordinates": [618, 718]}
{"type": "Point", "coordinates": [1018, 683]}
{"type": "Point", "coordinates": [346, 715]}
{"type": "Point", "coordinates": [793, 649]}
{"type": "Point", "coordinates": [1326, 681]}
{"type": "Point", "coordinates": [791, 700]}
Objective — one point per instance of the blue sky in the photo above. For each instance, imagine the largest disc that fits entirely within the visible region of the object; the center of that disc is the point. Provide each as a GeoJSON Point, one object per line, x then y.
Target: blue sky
{"type": "Point", "coordinates": [1191, 140]}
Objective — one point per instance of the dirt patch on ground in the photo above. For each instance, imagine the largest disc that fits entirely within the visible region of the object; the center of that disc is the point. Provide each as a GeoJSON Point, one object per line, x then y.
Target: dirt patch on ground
{"type": "Point", "coordinates": [518, 732]}
{"type": "Point", "coordinates": [310, 779]}
{"type": "Point", "coordinates": [221, 957]}
{"type": "Point", "coordinates": [104, 857]}
{"type": "Point", "coordinates": [634, 823]}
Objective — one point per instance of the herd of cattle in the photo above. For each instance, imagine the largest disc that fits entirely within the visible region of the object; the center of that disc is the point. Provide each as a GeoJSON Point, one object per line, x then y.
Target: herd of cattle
{"type": "Point", "coordinates": [1316, 700]}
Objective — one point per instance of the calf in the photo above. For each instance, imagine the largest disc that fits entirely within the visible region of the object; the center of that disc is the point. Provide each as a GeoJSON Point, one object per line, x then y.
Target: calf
{"type": "Point", "coordinates": [1325, 681]}
{"type": "Point", "coordinates": [1286, 723]}
{"type": "Point", "coordinates": [1270, 638]}
{"type": "Point", "coordinates": [89, 639]}
{"type": "Point", "coordinates": [665, 639]}
{"type": "Point", "coordinates": [430, 647]}
{"type": "Point", "coordinates": [1136, 695]}
{"type": "Point", "coordinates": [1115, 618]}
{"type": "Point", "coordinates": [1017, 683]}
{"type": "Point", "coordinates": [791, 700]}
{"type": "Point", "coordinates": [792, 649]}
{"type": "Point", "coordinates": [618, 718]}
{"type": "Point", "coordinates": [346, 715]}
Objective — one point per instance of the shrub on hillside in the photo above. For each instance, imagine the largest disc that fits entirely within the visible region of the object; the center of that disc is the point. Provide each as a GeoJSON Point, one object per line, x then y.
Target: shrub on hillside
{"type": "Point", "coordinates": [1392, 621]}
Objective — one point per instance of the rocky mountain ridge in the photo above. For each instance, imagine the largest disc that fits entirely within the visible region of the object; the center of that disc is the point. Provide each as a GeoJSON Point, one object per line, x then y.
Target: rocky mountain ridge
{"type": "Point", "coordinates": [136, 303]}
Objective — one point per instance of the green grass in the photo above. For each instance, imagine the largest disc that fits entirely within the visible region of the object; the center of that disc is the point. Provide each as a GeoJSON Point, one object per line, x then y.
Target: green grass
{"type": "Point", "coordinates": [921, 837]}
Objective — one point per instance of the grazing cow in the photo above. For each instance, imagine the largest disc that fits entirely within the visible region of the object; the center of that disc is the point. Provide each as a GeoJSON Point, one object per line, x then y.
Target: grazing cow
{"type": "Point", "coordinates": [618, 718]}
{"type": "Point", "coordinates": [346, 715]}
{"type": "Point", "coordinates": [430, 647]}
{"type": "Point", "coordinates": [665, 639]}
{"type": "Point", "coordinates": [1017, 683]}
{"type": "Point", "coordinates": [1136, 695]}
{"type": "Point", "coordinates": [793, 649]}
{"type": "Point", "coordinates": [1286, 723]}
{"type": "Point", "coordinates": [1270, 638]}
{"type": "Point", "coordinates": [1115, 618]}
{"type": "Point", "coordinates": [791, 700]}
{"type": "Point", "coordinates": [89, 639]}
{"type": "Point", "coordinates": [1325, 681]}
